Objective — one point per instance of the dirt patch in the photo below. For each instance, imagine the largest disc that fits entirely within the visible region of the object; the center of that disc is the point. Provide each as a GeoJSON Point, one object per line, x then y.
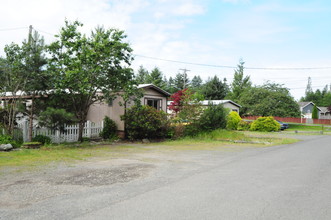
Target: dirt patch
{"type": "Point", "coordinates": [18, 191]}
{"type": "Point", "coordinates": [100, 177]}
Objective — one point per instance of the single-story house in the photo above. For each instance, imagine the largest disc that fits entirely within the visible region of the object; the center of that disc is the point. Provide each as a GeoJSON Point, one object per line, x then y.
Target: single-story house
{"type": "Point", "coordinates": [152, 96]}
{"type": "Point", "coordinates": [226, 103]}
{"type": "Point", "coordinates": [235, 107]}
{"type": "Point", "coordinates": [306, 109]}
{"type": "Point", "coordinates": [325, 113]}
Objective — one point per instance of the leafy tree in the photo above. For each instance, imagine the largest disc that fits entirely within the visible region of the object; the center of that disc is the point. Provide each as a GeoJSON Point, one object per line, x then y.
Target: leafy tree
{"type": "Point", "coordinates": [239, 83]}
{"type": "Point", "coordinates": [215, 89]}
{"type": "Point", "coordinates": [13, 80]}
{"type": "Point", "coordinates": [37, 78]}
{"type": "Point", "coordinates": [89, 68]}
{"type": "Point", "coordinates": [314, 114]}
{"type": "Point", "coordinates": [269, 100]}
{"type": "Point", "coordinates": [186, 105]}
{"type": "Point", "coordinates": [56, 118]}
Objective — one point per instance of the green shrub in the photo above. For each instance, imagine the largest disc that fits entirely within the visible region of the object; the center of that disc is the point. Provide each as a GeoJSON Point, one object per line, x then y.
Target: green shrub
{"type": "Point", "coordinates": [314, 114]}
{"type": "Point", "coordinates": [265, 124]}
{"type": "Point", "coordinates": [6, 139]}
{"type": "Point", "coordinates": [145, 122]}
{"type": "Point", "coordinates": [42, 139]}
{"type": "Point", "coordinates": [233, 120]}
{"type": "Point", "coordinates": [212, 118]}
{"type": "Point", "coordinates": [244, 125]}
{"type": "Point", "coordinates": [109, 128]}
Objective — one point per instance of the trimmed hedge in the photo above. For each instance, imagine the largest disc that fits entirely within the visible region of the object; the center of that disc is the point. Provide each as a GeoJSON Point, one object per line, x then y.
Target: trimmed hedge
{"type": "Point", "coordinates": [265, 124]}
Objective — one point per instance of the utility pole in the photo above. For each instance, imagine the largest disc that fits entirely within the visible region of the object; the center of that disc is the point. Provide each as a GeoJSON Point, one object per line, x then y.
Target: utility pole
{"type": "Point", "coordinates": [30, 34]}
{"type": "Point", "coordinates": [185, 75]}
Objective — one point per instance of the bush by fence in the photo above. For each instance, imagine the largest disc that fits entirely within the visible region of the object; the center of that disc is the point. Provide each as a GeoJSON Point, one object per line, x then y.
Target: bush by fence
{"type": "Point", "coordinates": [295, 120]}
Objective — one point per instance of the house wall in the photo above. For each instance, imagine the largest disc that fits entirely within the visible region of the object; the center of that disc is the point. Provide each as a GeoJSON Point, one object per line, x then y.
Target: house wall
{"type": "Point", "coordinates": [231, 106]}
{"type": "Point", "coordinates": [308, 110]}
{"type": "Point", "coordinates": [152, 94]}
{"type": "Point", "coordinates": [98, 111]}
{"type": "Point", "coordinates": [326, 115]}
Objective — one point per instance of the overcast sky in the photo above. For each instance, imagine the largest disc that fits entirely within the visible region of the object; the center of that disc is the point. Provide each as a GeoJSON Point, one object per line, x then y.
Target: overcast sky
{"type": "Point", "coordinates": [266, 34]}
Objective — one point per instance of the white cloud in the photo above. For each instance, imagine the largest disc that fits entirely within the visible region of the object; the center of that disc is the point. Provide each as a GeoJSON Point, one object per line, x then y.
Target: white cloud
{"type": "Point", "coordinates": [236, 1]}
{"type": "Point", "coordinates": [188, 9]}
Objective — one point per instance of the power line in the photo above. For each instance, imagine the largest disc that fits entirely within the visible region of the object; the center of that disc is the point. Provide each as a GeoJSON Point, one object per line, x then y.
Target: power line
{"type": "Point", "coordinates": [232, 67]}
{"type": "Point", "coordinates": [13, 29]}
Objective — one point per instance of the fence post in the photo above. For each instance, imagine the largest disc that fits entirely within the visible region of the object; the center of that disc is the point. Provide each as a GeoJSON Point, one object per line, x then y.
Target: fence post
{"type": "Point", "coordinates": [25, 131]}
{"type": "Point", "coordinates": [58, 136]}
{"type": "Point", "coordinates": [88, 129]}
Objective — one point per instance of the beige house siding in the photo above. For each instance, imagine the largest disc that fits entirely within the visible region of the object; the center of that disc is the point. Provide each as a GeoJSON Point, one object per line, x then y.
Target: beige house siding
{"type": "Point", "coordinates": [98, 111]}
{"type": "Point", "coordinates": [151, 94]}
{"type": "Point", "coordinates": [231, 107]}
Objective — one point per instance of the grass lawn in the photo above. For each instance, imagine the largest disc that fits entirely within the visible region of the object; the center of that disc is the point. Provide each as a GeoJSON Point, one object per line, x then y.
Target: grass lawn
{"type": "Point", "coordinates": [31, 158]}
{"type": "Point", "coordinates": [303, 127]}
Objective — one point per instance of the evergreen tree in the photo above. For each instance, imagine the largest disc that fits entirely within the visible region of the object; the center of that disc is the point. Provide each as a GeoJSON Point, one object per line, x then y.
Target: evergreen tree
{"type": "Point", "coordinates": [171, 86]}
{"type": "Point", "coordinates": [142, 75]}
{"type": "Point", "coordinates": [239, 83]}
{"type": "Point", "coordinates": [314, 114]}
{"type": "Point", "coordinates": [215, 89]}
{"type": "Point", "coordinates": [181, 81]}
{"type": "Point", "coordinates": [156, 78]}
{"type": "Point", "coordinates": [196, 83]}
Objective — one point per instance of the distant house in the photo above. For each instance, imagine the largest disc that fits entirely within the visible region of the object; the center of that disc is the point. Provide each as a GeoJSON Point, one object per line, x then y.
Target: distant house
{"type": "Point", "coordinates": [325, 113]}
{"type": "Point", "coordinates": [235, 107]}
{"type": "Point", "coordinates": [152, 96]}
{"type": "Point", "coordinates": [231, 105]}
{"type": "Point", "coordinates": [306, 109]}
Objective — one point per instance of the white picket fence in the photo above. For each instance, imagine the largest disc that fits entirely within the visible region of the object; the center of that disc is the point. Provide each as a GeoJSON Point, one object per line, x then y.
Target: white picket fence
{"type": "Point", "coordinates": [91, 130]}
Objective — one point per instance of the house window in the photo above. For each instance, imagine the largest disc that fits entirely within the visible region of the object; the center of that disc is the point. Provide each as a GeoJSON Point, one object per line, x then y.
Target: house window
{"type": "Point", "coordinates": [156, 103]}
{"type": "Point", "coordinates": [110, 102]}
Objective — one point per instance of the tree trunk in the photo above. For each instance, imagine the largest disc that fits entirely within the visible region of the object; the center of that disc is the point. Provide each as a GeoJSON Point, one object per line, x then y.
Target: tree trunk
{"type": "Point", "coordinates": [80, 131]}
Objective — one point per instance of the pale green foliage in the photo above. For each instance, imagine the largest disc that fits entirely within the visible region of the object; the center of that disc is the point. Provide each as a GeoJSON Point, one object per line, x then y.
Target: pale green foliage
{"type": "Point", "coordinates": [269, 99]}
{"type": "Point", "coordinates": [244, 126]}
{"type": "Point", "coordinates": [314, 114]}
{"type": "Point", "coordinates": [233, 120]}
{"type": "Point", "coordinates": [84, 66]}
{"type": "Point", "coordinates": [265, 124]}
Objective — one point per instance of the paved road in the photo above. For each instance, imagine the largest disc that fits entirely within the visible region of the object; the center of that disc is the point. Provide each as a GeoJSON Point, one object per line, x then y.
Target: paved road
{"type": "Point", "coordinates": [282, 182]}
